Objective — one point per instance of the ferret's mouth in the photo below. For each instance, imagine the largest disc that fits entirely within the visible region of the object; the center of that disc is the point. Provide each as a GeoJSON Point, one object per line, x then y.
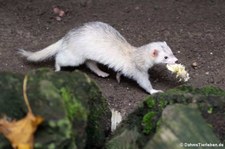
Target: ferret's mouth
{"type": "Point", "coordinates": [174, 62]}
{"type": "Point", "coordinates": [171, 63]}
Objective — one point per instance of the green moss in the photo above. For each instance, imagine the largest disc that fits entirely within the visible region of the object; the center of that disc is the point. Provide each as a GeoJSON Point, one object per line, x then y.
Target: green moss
{"type": "Point", "coordinates": [48, 89]}
{"type": "Point", "coordinates": [210, 110]}
{"type": "Point", "coordinates": [158, 123]}
{"type": "Point", "coordinates": [65, 127]}
{"type": "Point", "coordinates": [51, 146]}
{"type": "Point", "coordinates": [207, 90]}
{"type": "Point", "coordinates": [148, 122]}
{"type": "Point", "coordinates": [150, 102]}
{"type": "Point", "coordinates": [11, 96]}
{"type": "Point", "coordinates": [74, 107]}
{"type": "Point", "coordinates": [162, 103]}
{"type": "Point", "coordinates": [52, 124]}
{"type": "Point", "coordinates": [180, 90]}
{"type": "Point", "coordinates": [37, 145]}
{"type": "Point", "coordinates": [98, 110]}
{"type": "Point", "coordinates": [154, 106]}
{"type": "Point", "coordinates": [211, 90]}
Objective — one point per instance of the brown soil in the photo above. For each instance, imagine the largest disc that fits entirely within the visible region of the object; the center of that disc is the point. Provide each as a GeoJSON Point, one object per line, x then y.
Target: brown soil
{"type": "Point", "coordinates": [194, 29]}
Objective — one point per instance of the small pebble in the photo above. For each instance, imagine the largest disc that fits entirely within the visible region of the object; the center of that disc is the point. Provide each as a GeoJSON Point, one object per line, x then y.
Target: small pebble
{"type": "Point", "coordinates": [137, 8]}
{"type": "Point", "coordinates": [211, 53]}
{"type": "Point", "coordinates": [207, 73]}
{"type": "Point", "coordinates": [86, 3]}
{"type": "Point", "coordinates": [58, 18]}
{"type": "Point", "coordinates": [194, 65]}
{"type": "Point", "coordinates": [61, 13]}
{"type": "Point", "coordinates": [178, 51]}
{"type": "Point", "coordinates": [211, 80]}
{"type": "Point", "coordinates": [156, 7]}
{"type": "Point", "coordinates": [56, 10]}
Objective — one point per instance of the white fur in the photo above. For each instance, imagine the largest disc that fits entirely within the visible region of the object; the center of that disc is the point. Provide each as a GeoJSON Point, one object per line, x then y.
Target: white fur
{"type": "Point", "coordinates": [99, 42]}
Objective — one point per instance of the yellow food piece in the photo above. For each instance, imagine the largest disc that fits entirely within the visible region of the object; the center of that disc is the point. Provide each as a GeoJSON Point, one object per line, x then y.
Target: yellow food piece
{"type": "Point", "coordinates": [179, 70]}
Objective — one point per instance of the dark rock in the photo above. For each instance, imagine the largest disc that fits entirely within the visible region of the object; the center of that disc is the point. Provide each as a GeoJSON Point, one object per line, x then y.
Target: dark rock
{"type": "Point", "coordinates": [76, 115]}
{"type": "Point", "coordinates": [143, 124]}
{"type": "Point", "coordinates": [180, 127]}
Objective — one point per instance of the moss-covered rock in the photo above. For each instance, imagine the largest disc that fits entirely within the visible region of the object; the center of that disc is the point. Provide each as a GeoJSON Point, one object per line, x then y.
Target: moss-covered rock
{"type": "Point", "coordinates": [76, 115]}
{"type": "Point", "coordinates": [147, 118]}
{"type": "Point", "coordinates": [125, 140]}
{"type": "Point", "coordinates": [182, 126]}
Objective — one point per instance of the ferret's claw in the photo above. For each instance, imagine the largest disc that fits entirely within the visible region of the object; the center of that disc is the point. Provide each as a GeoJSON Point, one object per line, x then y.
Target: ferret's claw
{"type": "Point", "coordinates": [118, 75]}
{"type": "Point", "coordinates": [153, 91]}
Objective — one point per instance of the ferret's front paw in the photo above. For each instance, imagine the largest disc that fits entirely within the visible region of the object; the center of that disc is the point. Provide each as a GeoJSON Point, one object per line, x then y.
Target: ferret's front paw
{"type": "Point", "coordinates": [153, 91]}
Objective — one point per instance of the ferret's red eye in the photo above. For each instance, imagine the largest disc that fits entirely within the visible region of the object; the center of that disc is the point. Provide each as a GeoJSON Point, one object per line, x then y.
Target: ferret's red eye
{"type": "Point", "coordinates": [165, 57]}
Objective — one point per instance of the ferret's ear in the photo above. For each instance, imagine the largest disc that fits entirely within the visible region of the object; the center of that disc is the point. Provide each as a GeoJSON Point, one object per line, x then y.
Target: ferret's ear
{"type": "Point", "coordinates": [155, 53]}
{"type": "Point", "coordinates": [164, 42]}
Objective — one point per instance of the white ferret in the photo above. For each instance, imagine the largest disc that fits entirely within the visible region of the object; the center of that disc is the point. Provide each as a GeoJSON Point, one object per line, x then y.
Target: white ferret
{"type": "Point", "coordinates": [97, 42]}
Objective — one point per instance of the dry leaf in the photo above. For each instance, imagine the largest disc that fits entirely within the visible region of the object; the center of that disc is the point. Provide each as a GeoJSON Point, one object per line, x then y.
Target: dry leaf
{"type": "Point", "coordinates": [20, 133]}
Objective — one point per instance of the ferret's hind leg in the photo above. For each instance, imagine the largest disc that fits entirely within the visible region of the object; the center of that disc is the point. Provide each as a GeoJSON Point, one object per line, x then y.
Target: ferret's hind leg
{"type": "Point", "coordinates": [66, 58]}
{"type": "Point", "coordinates": [118, 76]}
{"type": "Point", "coordinates": [92, 65]}
{"type": "Point", "coordinates": [57, 67]}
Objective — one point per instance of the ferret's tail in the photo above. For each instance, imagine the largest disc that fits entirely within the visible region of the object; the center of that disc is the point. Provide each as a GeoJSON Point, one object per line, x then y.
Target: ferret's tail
{"type": "Point", "coordinates": [42, 54]}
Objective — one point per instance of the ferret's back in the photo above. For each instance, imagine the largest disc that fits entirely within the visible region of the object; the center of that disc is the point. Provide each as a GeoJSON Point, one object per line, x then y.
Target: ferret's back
{"type": "Point", "coordinates": [105, 30]}
{"type": "Point", "coordinates": [97, 32]}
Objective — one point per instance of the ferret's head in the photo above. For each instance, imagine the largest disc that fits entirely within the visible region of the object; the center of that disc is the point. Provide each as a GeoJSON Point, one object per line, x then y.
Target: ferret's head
{"type": "Point", "coordinates": [161, 53]}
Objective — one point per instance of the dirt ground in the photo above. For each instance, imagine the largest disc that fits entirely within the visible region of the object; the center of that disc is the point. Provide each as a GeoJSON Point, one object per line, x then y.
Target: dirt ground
{"type": "Point", "coordinates": [194, 29]}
